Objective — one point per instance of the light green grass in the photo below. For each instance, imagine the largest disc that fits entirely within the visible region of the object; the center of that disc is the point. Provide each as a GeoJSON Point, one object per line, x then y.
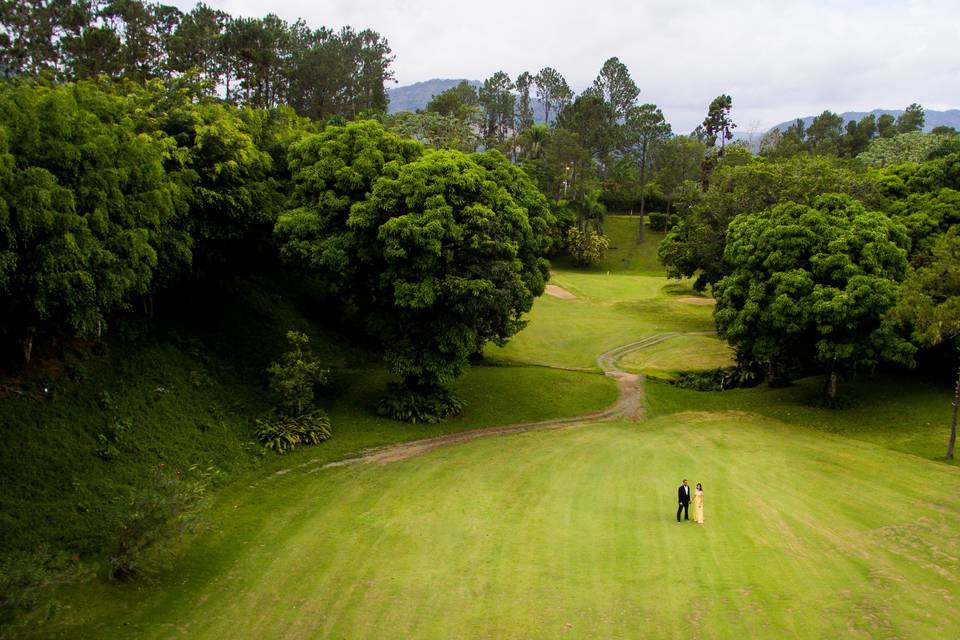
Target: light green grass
{"type": "Point", "coordinates": [572, 534]}
{"type": "Point", "coordinates": [904, 414]}
{"type": "Point", "coordinates": [609, 311]}
{"type": "Point", "coordinates": [681, 353]}
{"type": "Point", "coordinates": [625, 255]}
{"type": "Point", "coordinates": [820, 524]}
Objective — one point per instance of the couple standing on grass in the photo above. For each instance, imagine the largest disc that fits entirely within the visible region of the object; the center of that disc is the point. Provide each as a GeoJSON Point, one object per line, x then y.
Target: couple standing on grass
{"type": "Point", "coordinates": [683, 494]}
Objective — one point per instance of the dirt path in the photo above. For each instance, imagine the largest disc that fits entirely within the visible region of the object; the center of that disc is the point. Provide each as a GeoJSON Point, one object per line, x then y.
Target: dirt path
{"type": "Point", "coordinates": [629, 405]}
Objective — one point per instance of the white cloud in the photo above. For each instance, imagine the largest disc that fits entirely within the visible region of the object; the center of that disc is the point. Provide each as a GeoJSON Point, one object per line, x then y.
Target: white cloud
{"type": "Point", "coordinates": [778, 59]}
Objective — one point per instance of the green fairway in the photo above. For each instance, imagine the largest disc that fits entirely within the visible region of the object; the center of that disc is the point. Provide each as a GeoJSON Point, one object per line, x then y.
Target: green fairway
{"type": "Point", "coordinates": [609, 310]}
{"type": "Point", "coordinates": [573, 533]}
{"type": "Point", "coordinates": [819, 523]}
{"type": "Point", "coordinates": [681, 353]}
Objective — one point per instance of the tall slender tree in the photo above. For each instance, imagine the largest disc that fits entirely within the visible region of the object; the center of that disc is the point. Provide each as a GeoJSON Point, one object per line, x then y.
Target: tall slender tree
{"type": "Point", "coordinates": [643, 130]}
{"type": "Point", "coordinates": [553, 91]}
{"type": "Point", "coordinates": [616, 87]}
{"type": "Point", "coordinates": [498, 103]}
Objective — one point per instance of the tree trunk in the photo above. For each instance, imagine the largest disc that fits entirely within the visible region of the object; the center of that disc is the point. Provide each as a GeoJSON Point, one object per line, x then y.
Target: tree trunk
{"type": "Point", "coordinates": [953, 422]}
{"type": "Point", "coordinates": [832, 384]}
{"type": "Point", "coordinates": [643, 191]}
{"type": "Point", "coordinates": [642, 212]}
{"type": "Point", "coordinates": [27, 346]}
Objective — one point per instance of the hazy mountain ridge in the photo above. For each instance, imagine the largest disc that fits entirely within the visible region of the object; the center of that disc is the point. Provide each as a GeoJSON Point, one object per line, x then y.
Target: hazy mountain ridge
{"type": "Point", "coordinates": [933, 118]}
{"type": "Point", "coordinates": [412, 97]}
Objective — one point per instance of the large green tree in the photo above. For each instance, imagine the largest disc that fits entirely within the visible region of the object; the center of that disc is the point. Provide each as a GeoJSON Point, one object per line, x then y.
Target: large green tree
{"type": "Point", "coordinates": [643, 131]}
{"type": "Point", "coordinates": [88, 212]}
{"type": "Point", "coordinates": [930, 303]}
{"type": "Point", "coordinates": [616, 87]}
{"type": "Point", "coordinates": [442, 252]}
{"type": "Point", "coordinates": [811, 285]}
{"type": "Point", "coordinates": [553, 91]}
{"type": "Point", "coordinates": [499, 106]}
{"type": "Point", "coordinates": [696, 246]}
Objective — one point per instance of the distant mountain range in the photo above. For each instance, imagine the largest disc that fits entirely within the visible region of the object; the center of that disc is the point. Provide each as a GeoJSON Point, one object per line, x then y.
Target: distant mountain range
{"type": "Point", "coordinates": [950, 118]}
{"type": "Point", "coordinates": [416, 96]}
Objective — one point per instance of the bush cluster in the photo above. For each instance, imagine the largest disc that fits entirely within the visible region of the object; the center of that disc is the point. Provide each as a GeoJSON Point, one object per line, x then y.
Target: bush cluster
{"type": "Point", "coordinates": [419, 404]}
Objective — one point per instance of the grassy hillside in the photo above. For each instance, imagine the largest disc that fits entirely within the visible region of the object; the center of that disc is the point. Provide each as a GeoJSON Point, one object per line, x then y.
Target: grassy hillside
{"type": "Point", "coordinates": [185, 395]}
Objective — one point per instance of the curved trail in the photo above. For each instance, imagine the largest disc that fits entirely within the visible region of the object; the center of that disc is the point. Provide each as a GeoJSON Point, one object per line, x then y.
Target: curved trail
{"type": "Point", "coordinates": [629, 405]}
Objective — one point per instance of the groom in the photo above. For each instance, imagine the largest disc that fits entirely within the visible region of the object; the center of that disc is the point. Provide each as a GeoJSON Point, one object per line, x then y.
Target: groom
{"type": "Point", "coordinates": [683, 495]}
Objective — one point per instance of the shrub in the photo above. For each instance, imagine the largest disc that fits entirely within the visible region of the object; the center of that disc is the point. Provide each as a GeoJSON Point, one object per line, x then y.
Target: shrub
{"type": "Point", "coordinates": [281, 432]}
{"type": "Point", "coordinates": [418, 405]}
{"type": "Point", "coordinates": [294, 377]}
{"type": "Point", "coordinates": [716, 379]}
{"type": "Point", "coordinates": [586, 248]}
{"type": "Point", "coordinates": [157, 515]}
{"type": "Point", "coordinates": [28, 581]}
{"type": "Point", "coordinates": [662, 221]}
{"type": "Point", "coordinates": [109, 441]}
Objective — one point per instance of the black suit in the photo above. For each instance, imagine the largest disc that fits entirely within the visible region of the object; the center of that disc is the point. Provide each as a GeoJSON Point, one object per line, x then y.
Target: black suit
{"type": "Point", "coordinates": [683, 496]}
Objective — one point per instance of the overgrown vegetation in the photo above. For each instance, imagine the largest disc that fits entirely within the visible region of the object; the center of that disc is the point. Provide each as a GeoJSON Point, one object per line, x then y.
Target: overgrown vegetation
{"type": "Point", "coordinates": [158, 513]}
{"type": "Point", "coordinates": [28, 584]}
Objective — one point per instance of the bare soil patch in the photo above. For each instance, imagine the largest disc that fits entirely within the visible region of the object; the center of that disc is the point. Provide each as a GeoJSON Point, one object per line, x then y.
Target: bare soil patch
{"type": "Point", "coordinates": [559, 292]}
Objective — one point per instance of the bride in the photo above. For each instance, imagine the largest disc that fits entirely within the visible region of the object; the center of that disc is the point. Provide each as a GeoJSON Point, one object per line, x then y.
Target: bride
{"type": "Point", "coordinates": [698, 504]}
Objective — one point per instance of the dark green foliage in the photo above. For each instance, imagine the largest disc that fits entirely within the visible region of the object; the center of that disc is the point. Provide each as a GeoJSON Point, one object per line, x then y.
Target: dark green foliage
{"type": "Point", "coordinates": [295, 375]}
{"type": "Point", "coordinates": [159, 512]}
{"type": "Point", "coordinates": [77, 245]}
{"type": "Point", "coordinates": [293, 379]}
{"type": "Point", "coordinates": [109, 441]}
{"type": "Point", "coordinates": [553, 91]}
{"type": "Point", "coordinates": [715, 380]}
{"type": "Point", "coordinates": [718, 125]}
{"type": "Point", "coordinates": [419, 404]}
{"type": "Point", "coordinates": [930, 305]}
{"type": "Point", "coordinates": [813, 285]}
{"type": "Point", "coordinates": [259, 62]}
{"type": "Point", "coordinates": [460, 102]}
{"type": "Point", "coordinates": [28, 583]}
{"type": "Point", "coordinates": [281, 432]}
{"type": "Point", "coordinates": [662, 221]}
{"type": "Point", "coordinates": [911, 119]}
{"type": "Point", "coordinates": [498, 102]}
{"type": "Point", "coordinates": [695, 247]}
{"type": "Point", "coordinates": [440, 252]}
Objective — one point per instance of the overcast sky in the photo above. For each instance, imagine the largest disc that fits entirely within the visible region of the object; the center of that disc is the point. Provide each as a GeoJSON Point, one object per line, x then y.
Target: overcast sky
{"type": "Point", "coordinates": [778, 59]}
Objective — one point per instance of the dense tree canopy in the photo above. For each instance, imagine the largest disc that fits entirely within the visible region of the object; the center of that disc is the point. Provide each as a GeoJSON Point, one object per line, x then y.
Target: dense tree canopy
{"type": "Point", "coordinates": [259, 62]}
{"type": "Point", "coordinates": [930, 304]}
{"type": "Point", "coordinates": [812, 285]}
{"type": "Point", "coordinates": [88, 208]}
{"type": "Point", "coordinates": [696, 246]}
{"type": "Point", "coordinates": [442, 252]}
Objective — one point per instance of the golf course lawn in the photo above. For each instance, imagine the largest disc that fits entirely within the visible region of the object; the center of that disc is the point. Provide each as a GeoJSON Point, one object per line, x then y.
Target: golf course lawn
{"type": "Point", "coordinates": [572, 533]}
{"type": "Point", "coordinates": [820, 523]}
{"type": "Point", "coordinates": [680, 353]}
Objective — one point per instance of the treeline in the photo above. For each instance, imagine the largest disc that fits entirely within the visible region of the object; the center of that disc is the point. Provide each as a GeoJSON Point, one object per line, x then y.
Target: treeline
{"type": "Point", "coordinates": [601, 148]}
{"type": "Point", "coordinates": [110, 193]}
{"type": "Point", "coordinates": [822, 262]}
{"type": "Point", "coordinates": [828, 134]}
{"type": "Point", "coordinates": [257, 62]}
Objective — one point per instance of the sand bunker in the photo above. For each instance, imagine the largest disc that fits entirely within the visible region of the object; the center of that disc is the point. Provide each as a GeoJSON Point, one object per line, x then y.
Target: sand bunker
{"type": "Point", "coordinates": [696, 300]}
{"type": "Point", "coordinates": [559, 292]}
